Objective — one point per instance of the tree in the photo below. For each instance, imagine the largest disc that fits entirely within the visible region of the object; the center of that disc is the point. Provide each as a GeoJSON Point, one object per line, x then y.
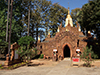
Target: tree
{"type": "Point", "coordinates": [74, 15]}
{"type": "Point", "coordinates": [9, 43]}
{"type": "Point", "coordinates": [3, 20]}
{"type": "Point", "coordinates": [7, 21]}
{"type": "Point", "coordinates": [42, 17]}
{"type": "Point", "coordinates": [17, 26]}
{"type": "Point", "coordinates": [87, 56]}
{"type": "Point", "coordinates": [41, 9]}
{"type": "Point", "coordinates": [26, 40]}
{"type": "Point", "coordinates": [17, 22]}
{"type": "Point", "coordinates": [35, 17]}
{"type": "Point", "coordinates": [57, 16]}
{"type": "Point", "coordinates": [25, 51]}
{"type": "Point", "coordinates": [90, 16]}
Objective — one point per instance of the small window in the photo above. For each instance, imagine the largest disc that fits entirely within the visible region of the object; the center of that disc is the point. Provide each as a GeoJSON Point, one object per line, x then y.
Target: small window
{"type": "Point", "coordinates": [78, 43]}
{"type": "Point", "coordinates": [40, 47]}
{"type": "Point", "coordinates": [40, 52]}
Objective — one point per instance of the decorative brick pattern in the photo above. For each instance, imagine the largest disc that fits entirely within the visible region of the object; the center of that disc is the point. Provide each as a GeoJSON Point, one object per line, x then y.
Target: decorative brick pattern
{"type": "Point", "coordinates": [61, 39]}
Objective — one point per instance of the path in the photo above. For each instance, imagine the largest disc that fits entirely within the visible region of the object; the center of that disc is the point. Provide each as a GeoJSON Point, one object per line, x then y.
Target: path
{"type": "Point", "coordinates": [62, 68]}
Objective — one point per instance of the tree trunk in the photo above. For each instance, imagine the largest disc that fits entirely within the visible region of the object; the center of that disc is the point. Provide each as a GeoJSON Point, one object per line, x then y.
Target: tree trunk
{"type": "Point", "coordinates": [28, 19]}
{"type": "Point", "coordinates": [46, 32]}
{"type": "Point", "coordinates": [33, 30]}
{"type": "Point", "coordinates": [36, 33]}
{"type": "Point", "coordinates": [10, 27]}
{"type": "Point", "coordinates": [7, 21]}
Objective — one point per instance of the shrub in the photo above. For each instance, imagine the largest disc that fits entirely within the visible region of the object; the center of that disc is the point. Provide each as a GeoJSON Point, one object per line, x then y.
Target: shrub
{"type": "Point", "coordinates": [9, 68]}
{"type": "Point", "coordinates": [23, 63]}
{"type": "Point", "coordinates": [35, 51]}
{"type": "Point", "coordinates": [26, 40]}
{"type": "Point", "coordinates": [25, 51]}
{"type": "Point", "coordinates": [87, 56]}
{"type": "Point", "coordinates": [19, 64]}
{"type": "Point", "coordinates": [41, 56]}
{"type": "Point", "coordinates": [1, 67]}
{"type": "Point", "coordinates": [15, 65]}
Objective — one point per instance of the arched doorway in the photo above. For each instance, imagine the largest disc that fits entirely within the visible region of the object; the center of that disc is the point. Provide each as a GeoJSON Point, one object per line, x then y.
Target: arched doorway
{"type": "Point", "coordinates": [66, 51]}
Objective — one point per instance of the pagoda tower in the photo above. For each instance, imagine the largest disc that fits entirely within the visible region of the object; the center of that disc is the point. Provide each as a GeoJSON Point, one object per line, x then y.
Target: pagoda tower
{"type": "Point", "coordinates": [69, 21]}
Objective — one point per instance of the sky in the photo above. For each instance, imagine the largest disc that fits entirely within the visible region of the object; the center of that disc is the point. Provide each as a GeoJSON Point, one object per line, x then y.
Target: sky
{"type": "Point", "coordinates": [72, 3]}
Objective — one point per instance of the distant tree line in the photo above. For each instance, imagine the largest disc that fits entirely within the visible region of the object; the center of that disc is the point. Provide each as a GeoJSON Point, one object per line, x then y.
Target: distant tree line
{"type": "Point", "coordinates": [88, 17]}
{"type": "Point", "coordinates": [37, 17]}
{"type": "Point", "coordinates": [30, 17]}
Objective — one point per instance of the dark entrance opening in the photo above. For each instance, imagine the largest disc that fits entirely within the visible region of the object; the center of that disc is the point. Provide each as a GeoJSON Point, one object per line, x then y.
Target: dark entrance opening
{"type": "Point", "coordinates": [66, 51]}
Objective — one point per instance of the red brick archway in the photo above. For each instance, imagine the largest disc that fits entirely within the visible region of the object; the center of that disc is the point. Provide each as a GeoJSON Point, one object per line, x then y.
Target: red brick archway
{"type": "Point", "coordinates": [69, 48]}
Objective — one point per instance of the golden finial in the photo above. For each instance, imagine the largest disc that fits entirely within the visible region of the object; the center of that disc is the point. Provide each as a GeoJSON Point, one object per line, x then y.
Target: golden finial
{"type": "Point", "coordinates": [68, 11]}
{"type": "Point", "coordinates": [49, 32]}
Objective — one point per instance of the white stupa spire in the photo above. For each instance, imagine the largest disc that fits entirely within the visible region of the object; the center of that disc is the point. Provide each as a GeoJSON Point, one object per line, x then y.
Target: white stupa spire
{"type": "Point", "coordinates": [69, 19]}
{"type": "Point", "coordinates": [39, 38]}
{"type": "Point", "coordinates": [79, 29]}
{"type": "Point", "coordinates": [58, 29]}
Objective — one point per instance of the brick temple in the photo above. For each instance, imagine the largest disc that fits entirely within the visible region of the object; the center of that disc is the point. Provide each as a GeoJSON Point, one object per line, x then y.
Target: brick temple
{"type": "Point", "coordinates": [66, 40]}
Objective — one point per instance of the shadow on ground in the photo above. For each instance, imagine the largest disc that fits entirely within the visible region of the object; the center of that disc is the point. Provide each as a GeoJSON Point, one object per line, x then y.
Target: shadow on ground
{"type": "Point", "coordinates": [30, 64]}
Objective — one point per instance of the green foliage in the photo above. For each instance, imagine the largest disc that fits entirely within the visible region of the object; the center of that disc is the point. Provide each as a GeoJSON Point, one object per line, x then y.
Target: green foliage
{"type": "Point", "coordinates": [43, 18]}
{"type": "Point", "coordinates": [35, 51]}
{"type": "Point", "coordinates": [57, 16]}
{"type": "Point", "coordinates": [87, 55]}
{"type": "Point", "coordinates": [41, 56]}
{"type": "Point", "coordinates": [24, 53]}
{"type": "Point", "coordinates": [3, 20]}
{"type": "Point", "coordinates": [19, 64]}
{"type": "Point", "coordinates": [16, 65]}
{"type": "Point", "coordinates": [0, 65]}
{"type": "Point", "coordinates": [16, 23]}
{"type": "Point", "coordinates": [9, 68]}
{"type": "Point", "coordinates": [90, 17]}
{"type": "Point", "coordinates": [26, 40]}
{"type": "Point", "coordinates": [75, 14]}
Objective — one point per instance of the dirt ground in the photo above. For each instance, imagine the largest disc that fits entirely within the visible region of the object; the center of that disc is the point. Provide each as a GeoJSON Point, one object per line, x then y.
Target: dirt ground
{"type": "Point", "coordinates": [96, 63]}
{"type": "Point", "coordinates": [50, 63]}
{"type": "Point", "coordinates": [44, 62]}
{"type": "Point", "coordinates": [49, 67]}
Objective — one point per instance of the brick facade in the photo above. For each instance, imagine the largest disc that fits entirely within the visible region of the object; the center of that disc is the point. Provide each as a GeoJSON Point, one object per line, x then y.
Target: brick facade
{"type": "Point", "coordinates": [66, 36]}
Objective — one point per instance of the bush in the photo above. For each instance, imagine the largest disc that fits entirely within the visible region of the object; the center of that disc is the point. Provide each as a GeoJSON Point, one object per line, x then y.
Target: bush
{"type": "Point", "coordinates": [15, 65]}
{"type": "Point", "coordinates": [1, 67]}
{"type": "Point", "coordinates": [26, 40]}
{"type": "Point", "coordinates": [19, 64]}
{"type": "Point", "coordinates": [35, 51]}
{"type": "Point", "coordinates": [87, 56]}
{"type": "Point", "coordinates": [25, 51]}
{"type": "Point", "coordinates": [41, 56]}
{"type": "Point", "coordinates": [9, 68]}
